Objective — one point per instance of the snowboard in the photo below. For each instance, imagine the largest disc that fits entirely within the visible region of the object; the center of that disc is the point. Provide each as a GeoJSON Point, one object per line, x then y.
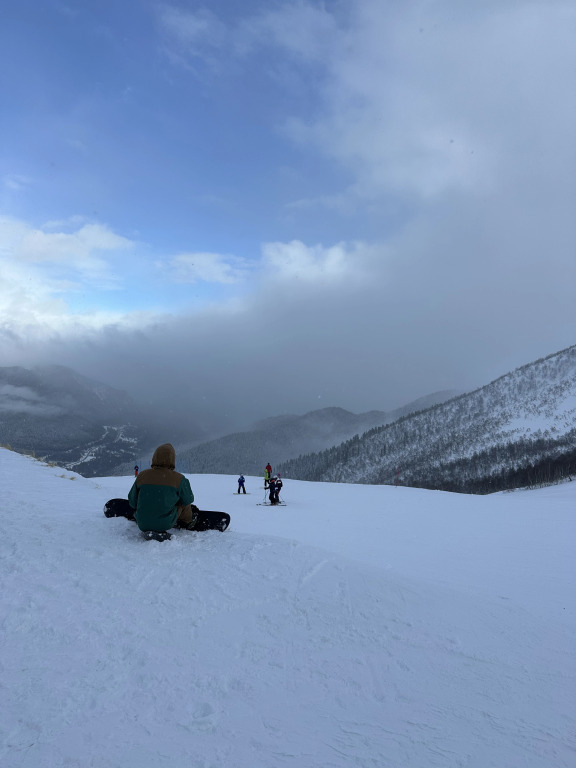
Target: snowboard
{"type": "Point", "coordinates": [118, 508]}
{"type": "Point", "coordinates": [207, 520]}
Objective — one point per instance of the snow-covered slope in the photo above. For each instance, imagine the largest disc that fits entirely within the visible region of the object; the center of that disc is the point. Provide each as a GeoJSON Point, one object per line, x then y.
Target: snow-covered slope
{"type": "Point", "coordinates": [357, 626]}
{"type": "Point", "coordinates": [498, 436]}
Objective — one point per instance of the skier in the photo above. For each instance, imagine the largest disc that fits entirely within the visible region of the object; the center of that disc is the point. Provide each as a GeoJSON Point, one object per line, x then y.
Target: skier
{"type": "Point", "coordinates": [161, 497]}
{"type": "Point", "coordinates": [274, 486]}
{"type": "Point", "coordinates": [272, 490]}
{"type": "Point", "coordinates": [267, 474]}
{"type": "Point", "coordinates": [136, 471]}
{"type": "Point", "coordinates": [241, 482]}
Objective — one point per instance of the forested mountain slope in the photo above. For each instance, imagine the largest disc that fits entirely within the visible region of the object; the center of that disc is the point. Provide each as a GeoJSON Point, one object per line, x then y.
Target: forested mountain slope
{"type": "Point", "coordinates": [519, 429]}
{"type": "Point", "coordinates": [58, 415]}
{"type": "Point", "coordinates": [283, 437]}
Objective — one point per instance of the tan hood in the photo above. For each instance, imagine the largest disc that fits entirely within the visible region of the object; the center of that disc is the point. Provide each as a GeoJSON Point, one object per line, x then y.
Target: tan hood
{"type": "Point", "coordinates": [164, 456]}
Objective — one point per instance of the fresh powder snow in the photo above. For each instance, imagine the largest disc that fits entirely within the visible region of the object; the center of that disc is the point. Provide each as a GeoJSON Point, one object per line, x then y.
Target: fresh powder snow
{"type": "Point", "coordinates": [356, 627]}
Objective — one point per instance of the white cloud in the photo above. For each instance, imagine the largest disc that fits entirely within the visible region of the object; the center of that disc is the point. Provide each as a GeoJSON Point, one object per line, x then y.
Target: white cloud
{"type": "Point", "coordinates": [307, 31]}
{"type": "Point", "coordinates": [72, 222]}
{"type": "Point", "coordinates": [32, 308]}
{"type": "Point", "coordinates": [315, 264]}
{"type": "Point", "coordinates": [418, 102]}
{"type": "Point", "coordinates": [40, 270]}
{"type": "Point", "coordinates": [16, 182]}
{"type": "Point", "coordinates": [304, 29]}
{"type": "Point", "coordinates": [76, 250]}
{"type": "Point", "coordinates": [204, 267]}
{"type": "Point", "coordinates": [82, 255]}
{"type": "Point", "coordinates": [190, 33]}
{"type": "Point", "coordinates": [395, 110]}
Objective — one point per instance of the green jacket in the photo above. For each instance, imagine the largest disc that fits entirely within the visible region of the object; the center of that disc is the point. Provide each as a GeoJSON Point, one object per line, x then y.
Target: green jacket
{"type": "Point", "coordinates": [158, 492]}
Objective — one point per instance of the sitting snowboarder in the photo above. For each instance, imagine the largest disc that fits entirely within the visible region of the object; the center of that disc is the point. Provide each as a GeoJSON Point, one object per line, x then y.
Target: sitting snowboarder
{"type": "Point", "coordinates": [241, 481]}
{"type": "Point", "coordinates": [161, 497]}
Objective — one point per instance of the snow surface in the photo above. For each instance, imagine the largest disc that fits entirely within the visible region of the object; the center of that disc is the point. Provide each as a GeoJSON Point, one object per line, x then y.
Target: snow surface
{"type": "Point", "coordinates": [357, 627]}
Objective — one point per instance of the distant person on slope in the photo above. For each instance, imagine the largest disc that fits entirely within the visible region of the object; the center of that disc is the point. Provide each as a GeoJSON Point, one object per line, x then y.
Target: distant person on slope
{"type": "Point", "coordinates": [241, 482]}
{"type": "Point", "coordinates": [267, 474]}
{"type": "Point", "coordinates": [274, 489]}
{"type": "Point", "coordinates": [162, 497]}
{"type": "Point", "coordinates": [136, 471]}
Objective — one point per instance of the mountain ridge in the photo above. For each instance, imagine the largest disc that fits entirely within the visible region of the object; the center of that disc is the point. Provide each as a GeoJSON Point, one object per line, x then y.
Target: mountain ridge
{"type": "Point", "coordinates": [517, 429]}
{"type": "Point", "coordinates": [61, 416]}
{"type": "Point", "coordinates": [278, 438]}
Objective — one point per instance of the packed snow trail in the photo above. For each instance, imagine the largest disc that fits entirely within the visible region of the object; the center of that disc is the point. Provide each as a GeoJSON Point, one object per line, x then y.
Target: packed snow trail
{"type": "Point", "coordinates": [258, 649]}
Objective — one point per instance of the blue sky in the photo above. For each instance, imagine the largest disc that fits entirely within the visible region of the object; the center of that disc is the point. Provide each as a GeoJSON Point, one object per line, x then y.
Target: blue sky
{"type": "Point", "coordinates": [386, 191]}
{"type": "Point", "coordinates": [118, 118]}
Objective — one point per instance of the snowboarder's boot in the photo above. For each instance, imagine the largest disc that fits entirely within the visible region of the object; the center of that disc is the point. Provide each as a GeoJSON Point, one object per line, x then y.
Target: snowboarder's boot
{"type": "Point", "coordinates": [191, 526]}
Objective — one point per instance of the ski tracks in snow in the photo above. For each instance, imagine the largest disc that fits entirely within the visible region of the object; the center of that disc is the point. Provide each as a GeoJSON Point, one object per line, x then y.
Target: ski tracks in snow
{"type": "Point", "coordinates": [298, 656]}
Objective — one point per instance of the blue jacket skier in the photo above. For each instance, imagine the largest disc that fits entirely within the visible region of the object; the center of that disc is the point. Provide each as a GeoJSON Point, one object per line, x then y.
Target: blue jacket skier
{"type": "Point", "coordinates": [241, 482]}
